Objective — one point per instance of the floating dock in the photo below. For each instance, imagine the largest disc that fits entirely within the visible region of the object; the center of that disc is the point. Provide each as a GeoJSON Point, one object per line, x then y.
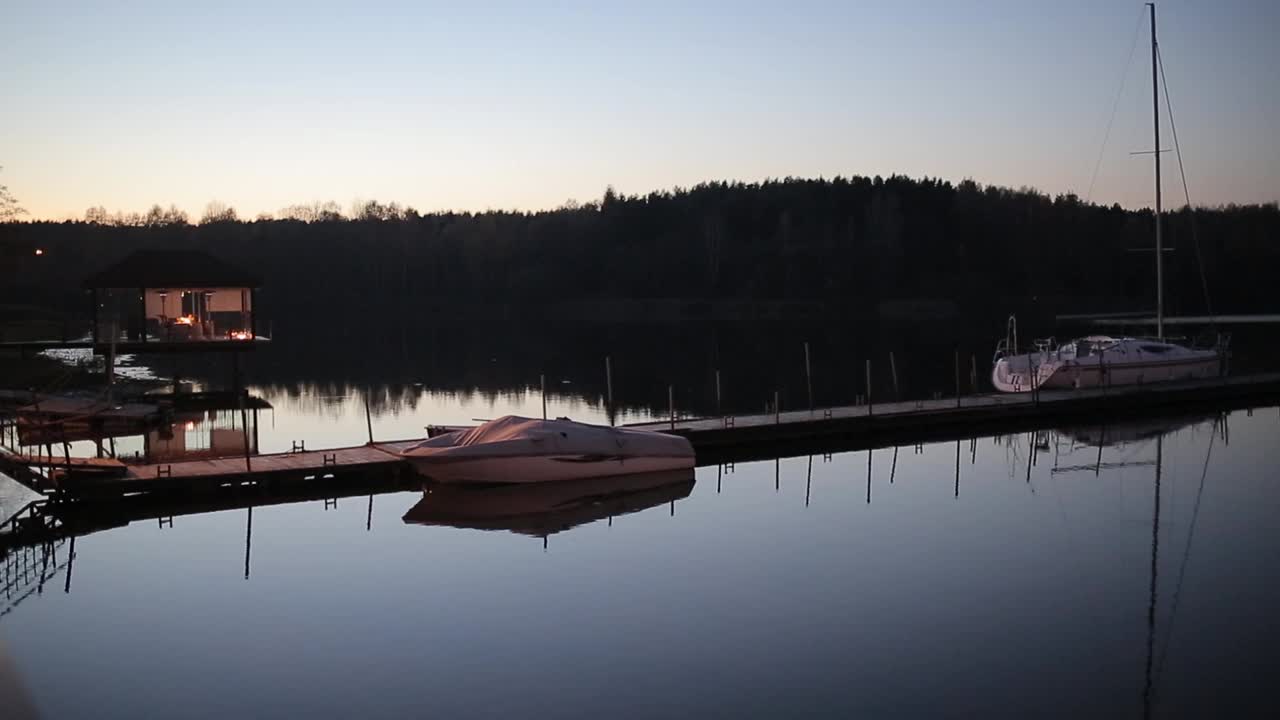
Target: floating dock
{"type": "Point", "coordinates": [106, 478]}
{"type": "Point", "coordinates": [717, 439]}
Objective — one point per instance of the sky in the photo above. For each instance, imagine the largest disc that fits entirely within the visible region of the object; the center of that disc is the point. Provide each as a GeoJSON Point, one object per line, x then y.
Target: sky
{"type": "Point", "coordinates": [480, 105]}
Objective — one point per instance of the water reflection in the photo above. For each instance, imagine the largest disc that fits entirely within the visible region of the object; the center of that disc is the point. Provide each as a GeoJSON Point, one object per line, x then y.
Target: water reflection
{"type": "Point", "coordinates": [1128, 432]}
{"type": "Point", "coordinates": [1003, 574]}
{"type": "Point", "coordinates": [542, 509]}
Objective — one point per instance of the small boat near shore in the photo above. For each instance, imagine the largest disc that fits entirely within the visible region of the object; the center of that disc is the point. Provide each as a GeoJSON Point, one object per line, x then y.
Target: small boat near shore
{"type": "Point", "coordinates": [515, 449]}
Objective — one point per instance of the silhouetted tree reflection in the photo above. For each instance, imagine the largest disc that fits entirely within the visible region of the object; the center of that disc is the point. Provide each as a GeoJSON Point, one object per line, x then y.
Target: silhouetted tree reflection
{"type": "Point", "coordinates": [672, 284]}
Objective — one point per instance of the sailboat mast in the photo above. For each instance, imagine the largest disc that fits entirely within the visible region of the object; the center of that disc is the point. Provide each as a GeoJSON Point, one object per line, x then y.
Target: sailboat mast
{"type": "Point", "coordinates": [1155, 115]}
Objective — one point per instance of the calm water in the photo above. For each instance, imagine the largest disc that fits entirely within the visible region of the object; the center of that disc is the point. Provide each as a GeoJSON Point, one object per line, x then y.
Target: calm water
{"type": "Point", "coordinates": [796, 587]}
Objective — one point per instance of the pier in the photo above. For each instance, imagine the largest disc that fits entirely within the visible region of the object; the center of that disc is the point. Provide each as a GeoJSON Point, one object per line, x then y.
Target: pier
{"type": "Point", "coordinates": [855, 427]}
{"type": "Point", "coordinates": [717, 440]}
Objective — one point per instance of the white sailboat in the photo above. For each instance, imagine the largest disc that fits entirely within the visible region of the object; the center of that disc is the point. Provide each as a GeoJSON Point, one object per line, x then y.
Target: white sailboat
{"type": "Point", "coordinates": [1099, 360]}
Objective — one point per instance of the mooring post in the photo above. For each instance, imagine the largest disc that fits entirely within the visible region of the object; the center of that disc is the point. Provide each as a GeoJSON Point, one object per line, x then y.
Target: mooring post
{"type": "Point", "coordinates": [893, 370]}
{"type": "Point", "coordinates": [719, 407]}
{"type": "Point", "coordinates": [808, 375]}
{"type": "Point", "coordinates": [777, 413]}
{"type": "Point", "coordinates": [1035, 377]}
{"type": "Point", "coordinates": [542, 382]}
{"type": "Point", "coordinates": [368, 416]}
{"type": "Point", "coordinates": [671, 404]}
{"type": "Point", "coordinates": [957, 378]}
{"type": "Point", "coordinates": [608, 387]}
{"type": "Point", "coordinates": [869, 403]}
{"type": "Point", "coordinates": [973, 373]}
{"type": "Point", "coordinates": [244, 427]}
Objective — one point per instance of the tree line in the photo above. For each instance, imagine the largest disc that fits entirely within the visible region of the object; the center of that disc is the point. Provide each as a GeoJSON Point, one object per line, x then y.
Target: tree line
{"type": "Point", "coordinates": [846, 241]}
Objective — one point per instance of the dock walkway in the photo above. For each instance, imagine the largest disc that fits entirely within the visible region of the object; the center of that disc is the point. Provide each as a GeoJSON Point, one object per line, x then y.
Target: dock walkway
{"type": "Point", "coordinates": [716, 439]}
{"type": "Point", "coordinates": [743, 437]}
{"type": "Point", "coordinates": [228, 471]}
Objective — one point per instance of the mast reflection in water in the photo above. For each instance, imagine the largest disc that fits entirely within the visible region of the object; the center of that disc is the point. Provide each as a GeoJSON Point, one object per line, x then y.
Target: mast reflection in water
{"type": "Point", "coordinates": [1026, 575]}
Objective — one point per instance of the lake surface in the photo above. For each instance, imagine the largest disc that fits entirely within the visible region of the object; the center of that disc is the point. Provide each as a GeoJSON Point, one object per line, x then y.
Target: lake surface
{"type": "Point", "coordinates": [951, 579]}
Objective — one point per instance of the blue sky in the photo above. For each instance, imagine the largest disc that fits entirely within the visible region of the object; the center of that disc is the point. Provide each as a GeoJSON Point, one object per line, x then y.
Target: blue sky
{"type": "Point", "coordinates": [525, 105]}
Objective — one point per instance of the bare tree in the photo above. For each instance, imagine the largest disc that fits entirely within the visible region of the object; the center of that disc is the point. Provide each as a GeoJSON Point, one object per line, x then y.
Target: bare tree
{"type": "Point", "coordinates": [216, 212]}
{"type": "Point", "coordinates": [9, 208]}
{"type": "Point", "coordinates": [160, 217]}
{"type": "Point", "coordinates": [97, 216]}
{"type": "Point", "coordinates": [315, 212]}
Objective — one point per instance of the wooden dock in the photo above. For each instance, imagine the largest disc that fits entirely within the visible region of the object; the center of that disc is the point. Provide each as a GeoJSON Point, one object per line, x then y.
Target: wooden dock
{"type": "Point", "coordinates": [217, 473]}
{"type": "Point", "coordinates": [716, 439]}
{"type": "Point", "coordinates": [768, 435]}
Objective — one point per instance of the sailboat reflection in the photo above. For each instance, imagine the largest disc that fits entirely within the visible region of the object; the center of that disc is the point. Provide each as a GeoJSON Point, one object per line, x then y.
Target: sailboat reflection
{"type": "Point", "coordinates": [1131, 431]}
{"type": "Point", "coordinates": [542, 509]}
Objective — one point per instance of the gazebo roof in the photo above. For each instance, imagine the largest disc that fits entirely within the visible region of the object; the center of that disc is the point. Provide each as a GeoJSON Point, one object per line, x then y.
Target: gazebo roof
{"type": "Point", "coordinates": [171, 268]}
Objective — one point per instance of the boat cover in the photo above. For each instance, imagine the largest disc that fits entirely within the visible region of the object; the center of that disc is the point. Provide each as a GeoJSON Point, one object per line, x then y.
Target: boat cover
{"type": "Point", "coordinates": [514, 436]}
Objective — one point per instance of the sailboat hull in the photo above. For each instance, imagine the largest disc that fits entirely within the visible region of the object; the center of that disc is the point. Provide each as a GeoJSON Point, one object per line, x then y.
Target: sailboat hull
{"type": "Point", "coordinates": [1024, 373]}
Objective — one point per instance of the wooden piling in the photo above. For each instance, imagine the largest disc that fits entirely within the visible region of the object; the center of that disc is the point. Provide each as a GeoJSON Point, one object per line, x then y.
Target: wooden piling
{"type": "Point", "coordinates": [719, 406]}
{"type": "Point", "coordinates": [368, 416]}
{"type": "Point", "coordinates": [893, 369]}
{"type": "Point", "coordinates": [957, 378]}
{"type": "Point", "coordinates": [542, 382]}
{"type": "Point", "coordinates": [608, 386]}
{"type": "Point", "coordinates": [808, 375]}
{"type": "Point", "coordinates": [777, 413]}
{"type": "Point", "coordinates": [244, 426]}
{"type": "Point", "coordinates": [869, 403]}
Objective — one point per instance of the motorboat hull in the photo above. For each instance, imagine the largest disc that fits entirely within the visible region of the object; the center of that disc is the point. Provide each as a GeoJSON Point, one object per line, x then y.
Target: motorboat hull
{"type": "Point", "coordinates": [542, 468]}
{"type": "Point", "coordinates": [518, 450]}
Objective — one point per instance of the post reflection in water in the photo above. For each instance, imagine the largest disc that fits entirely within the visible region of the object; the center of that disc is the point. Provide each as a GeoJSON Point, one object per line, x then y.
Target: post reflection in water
{"type": "Point", "coordinates": [1050, 602]}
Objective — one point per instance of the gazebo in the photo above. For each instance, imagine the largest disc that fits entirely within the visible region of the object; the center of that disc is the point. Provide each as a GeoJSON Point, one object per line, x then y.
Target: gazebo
{"type": "Point", "coordinates": [162, 300]}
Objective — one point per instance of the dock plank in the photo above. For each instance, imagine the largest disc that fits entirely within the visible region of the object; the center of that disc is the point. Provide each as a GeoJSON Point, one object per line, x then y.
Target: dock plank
{"type": "Point", "coordinates": [302, 461]}
{"type": "Point", "coordinates": [75, 463]}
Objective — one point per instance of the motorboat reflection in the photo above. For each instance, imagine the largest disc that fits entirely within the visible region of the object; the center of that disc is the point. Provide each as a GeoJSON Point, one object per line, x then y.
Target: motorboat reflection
{"type": "Point", "coordinates": [541, 509]}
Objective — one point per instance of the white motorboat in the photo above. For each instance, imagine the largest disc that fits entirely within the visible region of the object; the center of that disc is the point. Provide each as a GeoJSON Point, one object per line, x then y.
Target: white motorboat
{"type": "Point", "coordinates": [1102, 361]}
{"type": "Point", "coordinates": [516, 449]}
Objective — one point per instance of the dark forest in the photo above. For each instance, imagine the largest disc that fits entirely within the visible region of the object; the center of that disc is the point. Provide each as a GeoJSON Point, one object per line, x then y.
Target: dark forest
{"type": "Point", "coordinates": [848, 242]}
